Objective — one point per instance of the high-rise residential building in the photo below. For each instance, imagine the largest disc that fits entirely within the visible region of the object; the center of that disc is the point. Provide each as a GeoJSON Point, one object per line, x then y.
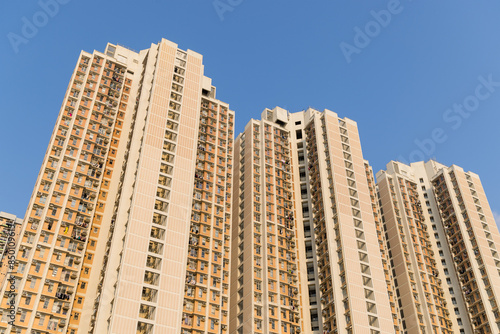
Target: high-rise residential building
{"type": "Point", "coordinates": [441, 239]}
{"type": "Point", "coordinates": [265, 290]}
{"type": "Point", "coordinates": [128, 226]}
{"type": "Point", "coordinates": [10, 227]}
{"type": "Point", "coordinates": [419, 288]}
{"type": "Point", "coordinates": [353, 285]}
{"type": "Point", "coordinates": [382, 241]}
{"type": "Point", "coordinates": [136, 223]}
{"type": "Point", "coordinates": [295, 174]}
{"type": "Point", "coordinates": [206, 298]}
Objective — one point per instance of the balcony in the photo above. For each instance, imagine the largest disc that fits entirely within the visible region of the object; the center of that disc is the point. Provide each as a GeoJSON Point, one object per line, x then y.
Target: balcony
{"type": "Point", "coordinates": [151, 278]}
{"type": "Point", "coordinates": [147, 312]}
{"type": "Point", "coordinates": [161, 206]}
{"type": "Point", "coordinates": [143, 328]}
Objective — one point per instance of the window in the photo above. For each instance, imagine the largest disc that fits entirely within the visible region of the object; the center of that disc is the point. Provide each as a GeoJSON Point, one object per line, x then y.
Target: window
{"type": "Point", "coordinates": [21, 267]}
{"type": "Point", "coordinates": [38, 212]}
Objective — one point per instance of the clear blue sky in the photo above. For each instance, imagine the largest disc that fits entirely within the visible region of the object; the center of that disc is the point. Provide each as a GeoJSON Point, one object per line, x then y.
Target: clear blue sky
{"type": "Point", "coordinates": [417, 61]}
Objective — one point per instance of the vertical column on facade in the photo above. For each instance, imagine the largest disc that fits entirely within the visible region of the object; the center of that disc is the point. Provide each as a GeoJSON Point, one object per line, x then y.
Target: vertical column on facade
{"type": "Point", "coordinates": [208, 257]}
{"type": "Point", "coordinates": [245, 264]}
{"type": "Point", "coordinates": [310, 306]}
{"type": "Point", "coordinates": [281, 224]}
{"type": "Point", "coordinates": [471, 237]}
{"type": "Point", "coordinates": [383, 246]}
{"type": "Point", "coordinates": [419, 287]}
{"type": "Point", "coordinates": [346, 232]}
{"type": "Point", "coordinates": [267, 299]}
{"type": "Point", "coordinates": [61, 216]}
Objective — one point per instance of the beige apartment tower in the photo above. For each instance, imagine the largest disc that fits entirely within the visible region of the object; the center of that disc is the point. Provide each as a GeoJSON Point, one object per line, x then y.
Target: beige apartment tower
{"type": "Point", "coordinates": [306, 250]}
{"type": "Point", "coordinates": [265, 290]}
{"type": "Point", "coordinates": [137, 225]}
{"type": "Point", "coordinates": [441, 238]}
{"type": "Point", "coordinates": [128, 226]}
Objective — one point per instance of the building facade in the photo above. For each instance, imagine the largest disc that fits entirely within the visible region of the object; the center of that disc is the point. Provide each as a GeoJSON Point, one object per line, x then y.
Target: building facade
{"type": "Point", "coordinates": [136, 223]}
{"type": "Point", "coordinates": [111, 222]}
{"type": "Point", "coordinates": [206, 298]}
{"type": "Point", "coordinates": [441, 236]}
{"type": "Point", "coordinates": [306, 254]}
{"type": "Point", "coordinates": [265, 290]}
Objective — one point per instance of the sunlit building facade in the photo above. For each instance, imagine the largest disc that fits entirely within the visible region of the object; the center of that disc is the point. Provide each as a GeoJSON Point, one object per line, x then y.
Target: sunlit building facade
{"type": "Point", "coordinates": [147, 218]}
{"type": "Point", "coordinates": [265, 290]}
{"type": "Point", "coordinates": [306, 253]}
{"type": "Point", "coordinates": [128, 226]}
{"type": "Point", "coordinates": [441, 238]}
